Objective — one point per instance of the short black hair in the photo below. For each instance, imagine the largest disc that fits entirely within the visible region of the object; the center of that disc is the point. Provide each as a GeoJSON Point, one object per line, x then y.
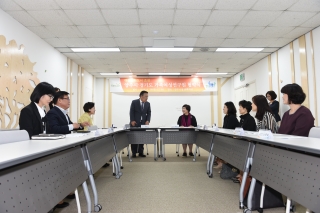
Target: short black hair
{"type": "Point", "coordinates": [188, 107]}
{"type": "Point", "coordinates": [59, 95]}
{"type": "Point", "coordinates": [246, 104]}
{"type": "Point", "coordinates": [142, 92]}
{"type": "Point", "coordinates": [43, 88]}
{"type": "Point", "coordinates": [262, 106]}
{"type": "Point", "coordinates": [56, 89]}
{"type": "Point", "coordinates": [87, 106]}
{"type": "Point", "coordinates": [295, 93]}
{"type": "Point", "coordinates": [272, 94]}
{"type": "Point", "coordinates": [231, 108]}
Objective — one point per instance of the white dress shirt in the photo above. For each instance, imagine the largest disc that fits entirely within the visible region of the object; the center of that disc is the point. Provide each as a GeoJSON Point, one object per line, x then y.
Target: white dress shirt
{"type": "Point", "coordinates": [65, 112]}
{"type": "Point", "coordinates": [41, 110]}
{"type": "Point", "coordinates": [141, 107]}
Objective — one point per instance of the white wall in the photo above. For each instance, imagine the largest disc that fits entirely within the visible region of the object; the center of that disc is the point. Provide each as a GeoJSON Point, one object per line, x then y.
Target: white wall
{"type": "Point", "coordinates": [74, 91]}
{"type": "Point", "coordinates": [316, 46]}
{"type": "Point", "coordinates": [281, 68]}
{"type": "Point", "coordinates": [45, 56]}
{"type": "Point", "coordinates": [296, 55]}
{"type": "Point", "coordinates": [99, 102]}
{"type": "Point", "coordinates": [274, 74]}
{"type": "Point", "coordinates": [311, 76]}
{"type": "Point", "coordinates": [165, 107]}
{"type": "Point", "coordinates": [285, 77]}
{"type": "Point", "coordinates": [227, 94]}
{"type": "Point", "coordinates": [87, 87]}
{"type": "Point", "coordinates": [257, 73]}
{"type": "Point", "coordinates": [215, 107]}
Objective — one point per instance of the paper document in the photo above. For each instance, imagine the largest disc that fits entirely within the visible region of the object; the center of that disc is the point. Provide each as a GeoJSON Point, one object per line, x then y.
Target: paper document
{"type": "Point", "coordinates": [48, 137]}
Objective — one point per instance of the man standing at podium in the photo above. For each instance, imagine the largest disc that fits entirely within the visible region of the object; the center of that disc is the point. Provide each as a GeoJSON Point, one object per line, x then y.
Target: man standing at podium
{"type": "Point", "coordinates": [140, 114]}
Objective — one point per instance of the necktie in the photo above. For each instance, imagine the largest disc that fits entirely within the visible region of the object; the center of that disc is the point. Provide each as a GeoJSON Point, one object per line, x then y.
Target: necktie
{"type": "Point", "coordinates": [142, 106]}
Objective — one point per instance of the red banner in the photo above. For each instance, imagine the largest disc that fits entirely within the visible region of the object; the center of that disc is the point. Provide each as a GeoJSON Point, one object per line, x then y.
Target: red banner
{"type": "Point", "coordinates": [162, 84]}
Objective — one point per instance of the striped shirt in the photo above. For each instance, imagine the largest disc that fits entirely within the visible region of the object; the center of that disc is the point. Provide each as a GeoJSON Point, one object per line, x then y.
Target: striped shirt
{"type": "Point", "coordinates": [268, 122]}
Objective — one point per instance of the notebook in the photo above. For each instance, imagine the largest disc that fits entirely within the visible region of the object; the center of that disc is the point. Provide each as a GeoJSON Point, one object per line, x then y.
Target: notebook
{"type": "Point", "coordinates": [48, 137]}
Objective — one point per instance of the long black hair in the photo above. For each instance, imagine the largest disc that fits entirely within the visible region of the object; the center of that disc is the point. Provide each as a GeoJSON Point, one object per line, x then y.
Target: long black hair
{"type": "Point", "coordinates": [231, 108]}
{"type": "Point", "coordinates": [262, 106]}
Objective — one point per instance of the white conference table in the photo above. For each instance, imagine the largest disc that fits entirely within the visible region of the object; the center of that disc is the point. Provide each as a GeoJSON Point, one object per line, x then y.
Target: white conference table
{"type": "Point", "coordinates": [46, 165]}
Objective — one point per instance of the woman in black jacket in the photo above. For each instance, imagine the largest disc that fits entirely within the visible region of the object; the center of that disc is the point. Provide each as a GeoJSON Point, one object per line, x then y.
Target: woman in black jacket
{"type": "Point", "coordinates": [31, 115]}
{"type": "Point", "coordinates": [247, 122]}
{"type": "Point", "coordinates": [230, 120]}
{"type": "Point", "coordinates": [274, 104]}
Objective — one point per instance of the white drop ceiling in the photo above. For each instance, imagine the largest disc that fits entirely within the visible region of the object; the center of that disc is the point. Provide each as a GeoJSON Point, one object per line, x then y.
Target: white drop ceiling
{"type": "Point", "coordinates": [130, 25]}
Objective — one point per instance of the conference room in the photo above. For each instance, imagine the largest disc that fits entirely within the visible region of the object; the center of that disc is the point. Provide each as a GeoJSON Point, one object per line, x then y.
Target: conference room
{"type": "Point", "coordinates": [159, 106]}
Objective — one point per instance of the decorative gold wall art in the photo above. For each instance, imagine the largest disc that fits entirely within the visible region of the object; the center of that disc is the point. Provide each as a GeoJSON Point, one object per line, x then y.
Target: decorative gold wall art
{"type": "Point", "coordinates": [17, 81]}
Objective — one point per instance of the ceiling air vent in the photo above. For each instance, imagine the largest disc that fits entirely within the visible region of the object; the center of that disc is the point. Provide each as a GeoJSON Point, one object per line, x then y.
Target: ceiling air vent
{"type": "Point", "coordinates": [204, 49]}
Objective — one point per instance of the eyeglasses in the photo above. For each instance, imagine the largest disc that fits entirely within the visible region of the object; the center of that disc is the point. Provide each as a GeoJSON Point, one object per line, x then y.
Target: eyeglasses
{"type": "Point", "coordinates": [50, 96]}
{"type": "Point", "coordinates": [66, 98]}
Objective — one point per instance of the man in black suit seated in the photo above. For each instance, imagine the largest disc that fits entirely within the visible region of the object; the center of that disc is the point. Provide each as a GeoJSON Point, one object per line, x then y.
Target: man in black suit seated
{"type": "Point", "coordinates": [140, 114]}
{"type": "Point", "coordinates": [58, 119]}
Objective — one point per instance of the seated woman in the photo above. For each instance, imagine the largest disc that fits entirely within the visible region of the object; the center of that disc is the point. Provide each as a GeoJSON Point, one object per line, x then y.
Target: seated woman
{"type": "Point", "coordinates": [274, 104]}
{"type": "Point", "coordinates": [247, 122]}
{"type": "Point", "coordinates": [298, 120]}
{"type": "Point", "coordinates": [264, 116]}
{"type": "Point", "coordinates": [31, 115]}
{"type": "Point", "coordinates": [187, 120]}
{"type": "Point", "coordinates": [89, 110]}
{"type": "Point", "coordinates": [230, 120]}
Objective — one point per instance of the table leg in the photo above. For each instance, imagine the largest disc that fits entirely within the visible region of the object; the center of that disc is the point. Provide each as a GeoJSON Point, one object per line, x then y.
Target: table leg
{"type": "Point", "coordinates": [155, 155]}
{"type": "Point", "coordinates": [251, 191]}
{"type": "Point", "coordinates": [211, 165]}
{"type": "Point", "coordinates": [87, 195]}
{"type": "Point", "coordinates": [195, 153]}
{"type": "Point", "coordinates": [77, 200]}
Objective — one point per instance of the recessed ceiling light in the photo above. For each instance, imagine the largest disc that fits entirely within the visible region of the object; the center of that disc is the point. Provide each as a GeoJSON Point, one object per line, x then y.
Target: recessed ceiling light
{"type": "Point", "coordinates": [239, 49]}
{"type": "Point", "coordinates": [95, 49]}
{"type": "Point", "coordinates": [164, 73]}
{"type": "Point", "coordinates": [216, 73]}
{"type": "Point", "coordinates": [150, 49]}
{"type": "Point", "coordinates": [155, 32]}
{"type": "Point", "coordinates": [104, 73]}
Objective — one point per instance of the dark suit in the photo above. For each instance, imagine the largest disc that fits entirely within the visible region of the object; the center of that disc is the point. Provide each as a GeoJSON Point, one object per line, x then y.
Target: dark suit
{"type": "Point", "coordinates": [30, 120]}
{"type": "Point", "coordinates": [140, 116]}
{"type": "Point", "coordinates": [274, 106]}
{"type": "Point", "coordinates": [57, 121]}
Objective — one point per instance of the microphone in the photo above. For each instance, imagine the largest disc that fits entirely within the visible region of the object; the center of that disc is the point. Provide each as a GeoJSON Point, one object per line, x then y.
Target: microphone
{"type": "Point", "coordinates": [44, 121]}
